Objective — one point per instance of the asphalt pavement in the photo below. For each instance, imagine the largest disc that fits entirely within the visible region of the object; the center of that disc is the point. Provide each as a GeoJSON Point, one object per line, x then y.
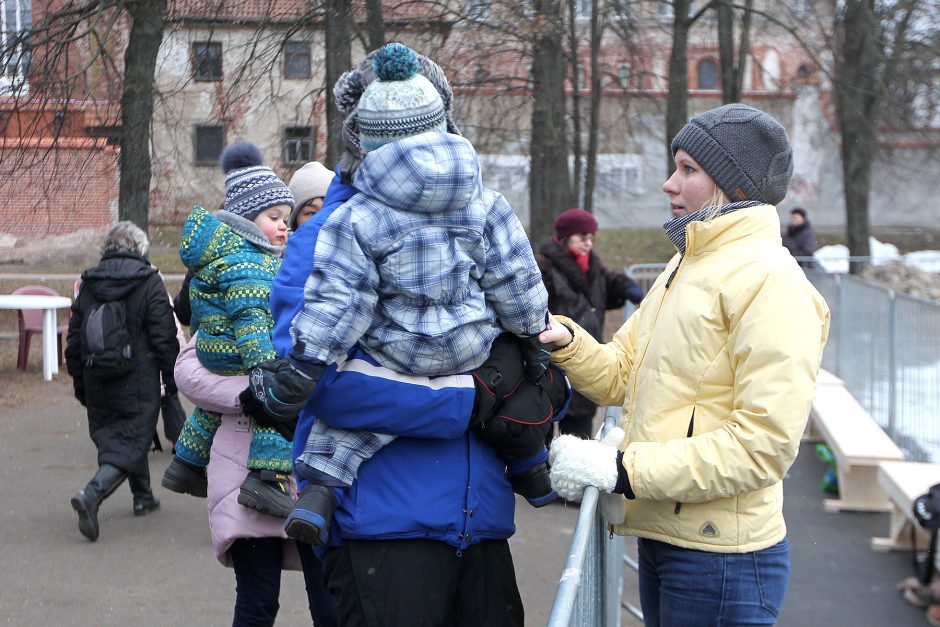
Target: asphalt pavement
{"type": "Point", "coordinates": [160, 569]}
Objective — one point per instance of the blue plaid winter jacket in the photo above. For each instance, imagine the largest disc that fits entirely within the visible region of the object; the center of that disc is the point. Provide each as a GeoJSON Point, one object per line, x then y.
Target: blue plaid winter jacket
{"type": "Point", "coordinates": [422, 267]}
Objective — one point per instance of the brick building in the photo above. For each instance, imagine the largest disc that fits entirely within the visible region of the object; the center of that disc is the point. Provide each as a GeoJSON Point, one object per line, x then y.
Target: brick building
{"type": "Point", "coordinates": [254, 70]}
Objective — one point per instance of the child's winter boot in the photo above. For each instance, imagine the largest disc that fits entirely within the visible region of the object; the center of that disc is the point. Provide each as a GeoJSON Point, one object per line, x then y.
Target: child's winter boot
{"type": "Point", "coordinates": [267, 491]}
{"type": "Point", "coordinates": [309, 521]}
{"type": "Point", "coordinates": [184, 478]}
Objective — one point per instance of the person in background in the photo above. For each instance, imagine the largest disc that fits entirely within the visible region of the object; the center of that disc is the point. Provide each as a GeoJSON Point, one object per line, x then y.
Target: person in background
{"type": "Point", "coordinates": [581, 287]}
{"type": "Point", "coordinates": [122, 410]}
{"type": "Point", "coordinates": [800, 238]}
{"type": "Point", "coordinates": [308, 185]}
{"type": "Point", "coordinates": [716, 373]}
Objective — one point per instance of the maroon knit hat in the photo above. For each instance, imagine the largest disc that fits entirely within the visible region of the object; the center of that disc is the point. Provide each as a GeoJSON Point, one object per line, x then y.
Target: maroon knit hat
{"type": "Point", "coordinates": [574, 221]}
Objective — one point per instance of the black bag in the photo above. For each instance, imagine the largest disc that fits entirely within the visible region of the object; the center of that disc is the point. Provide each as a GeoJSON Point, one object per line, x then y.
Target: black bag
{"type": "Point", "coordinates": [926, 509]}
{"type": "Point", "coordinates": [108, 344]}
{"type": "Point", "coordinates": [173, 416]}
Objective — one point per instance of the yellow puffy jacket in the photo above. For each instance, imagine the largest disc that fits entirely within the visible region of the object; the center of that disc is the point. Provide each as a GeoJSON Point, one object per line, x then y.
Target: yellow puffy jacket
{"type": "Point", "coordinates": [716, 372]}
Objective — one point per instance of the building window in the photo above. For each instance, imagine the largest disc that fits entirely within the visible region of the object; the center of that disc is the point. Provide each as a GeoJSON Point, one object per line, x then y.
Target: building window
{"type": "Point", "coordinates": [297, 59]}
{"type": "Point", "coordinates": [666, 10]}
{"type": "Point", "coordinates": [207, 61]}
{"type": "Point", "coordinates": [623, 75]}
{"type": "Point", "coordinates": [478, 9]}
{"type": "Point", "coordinates": [298, 145]}
{"type": "Point", "coordinates": [707, 75]}
{"type": "Point", "coordinates": [582, 8]}
{"type": "Point", "coordinates": [112, 134]}
{"type": "Point", "coordinates": [208, 142]}
{"type": "Point", "coordinates": [579, 79]}
{"type": "Point", "coordinates": [801, 8]}
{"type": "Point", "coordinates": [480, 76]}
{"type": "Point", "coordinates": [16, 20]}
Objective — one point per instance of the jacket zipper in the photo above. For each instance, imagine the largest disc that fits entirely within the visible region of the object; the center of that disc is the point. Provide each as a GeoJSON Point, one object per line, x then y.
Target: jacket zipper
{"type": "Point", "coordinates": [650, 338]}
{"type": "Point", "coordinates": [688, 435]}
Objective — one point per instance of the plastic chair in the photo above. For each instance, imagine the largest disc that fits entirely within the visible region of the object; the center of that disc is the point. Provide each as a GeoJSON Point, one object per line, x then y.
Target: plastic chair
{"type": "Point", "coordinates": [31, 324]}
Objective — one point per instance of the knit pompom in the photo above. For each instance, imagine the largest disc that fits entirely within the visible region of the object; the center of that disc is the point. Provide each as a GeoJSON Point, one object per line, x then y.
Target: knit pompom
{"type": "Point", "coordinates": [240, 154]}
{"type": "Point", "coordinates": [395, 62]}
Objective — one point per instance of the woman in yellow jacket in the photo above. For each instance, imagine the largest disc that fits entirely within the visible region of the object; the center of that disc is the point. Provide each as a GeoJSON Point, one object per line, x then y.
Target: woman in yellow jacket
{"type": "Point", "coordinates": [716, 372]}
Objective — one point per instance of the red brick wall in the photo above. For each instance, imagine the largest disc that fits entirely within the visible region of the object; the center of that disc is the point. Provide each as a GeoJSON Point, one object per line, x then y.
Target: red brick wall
{"type": "Point", "coordinates": [54, 191]}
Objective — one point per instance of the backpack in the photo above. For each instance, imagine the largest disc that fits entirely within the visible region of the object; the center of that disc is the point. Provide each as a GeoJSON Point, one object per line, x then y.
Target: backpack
{"type": "Point", "coordinates": [926, 510]}
{"type": "Point", "coordinates": [107, 342]}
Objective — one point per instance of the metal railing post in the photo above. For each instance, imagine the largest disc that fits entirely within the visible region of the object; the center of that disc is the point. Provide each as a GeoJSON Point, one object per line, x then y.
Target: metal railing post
{"type": "Point", "coordinates": [840, 324]}
{"type": "Point", "coordinates": [892, 364]}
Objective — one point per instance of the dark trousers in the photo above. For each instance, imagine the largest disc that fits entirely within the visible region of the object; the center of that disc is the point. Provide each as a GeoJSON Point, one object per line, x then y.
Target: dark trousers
{"type": "Point", "coordinates": [257, 563]}
{"type": "Point", "coordinates": [391, 583]}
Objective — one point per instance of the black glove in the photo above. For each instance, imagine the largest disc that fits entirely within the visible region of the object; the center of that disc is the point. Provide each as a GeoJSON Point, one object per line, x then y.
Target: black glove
{"type": "Point", "coordinates": [251, 407]}
{"type": "Point", "coordinates": [522, 421]}
{"type": "Point", "coordinates": [80, 396]}
{"type": "Point", "coordinates": [277, 391]}
{"type": "Point", "coordinates": [497, 377]}
{"type": "Point", "coordinates": [169, 385]}
{"type": "Point", "coordinates": [537, 357]}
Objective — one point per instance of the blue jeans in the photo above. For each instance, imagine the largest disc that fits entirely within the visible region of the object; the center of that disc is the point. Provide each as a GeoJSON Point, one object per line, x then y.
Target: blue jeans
{"type": "Point", "coordinates": [688, 588]}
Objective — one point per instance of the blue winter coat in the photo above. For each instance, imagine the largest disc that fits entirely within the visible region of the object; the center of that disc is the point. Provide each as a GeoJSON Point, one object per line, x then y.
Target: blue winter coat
{"type": "Point", "coordinates": [436, 480]}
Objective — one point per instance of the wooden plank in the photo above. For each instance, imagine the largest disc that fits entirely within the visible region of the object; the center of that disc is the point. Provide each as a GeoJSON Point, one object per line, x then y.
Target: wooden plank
{"type": "Point", "coordinates": [903, 482]}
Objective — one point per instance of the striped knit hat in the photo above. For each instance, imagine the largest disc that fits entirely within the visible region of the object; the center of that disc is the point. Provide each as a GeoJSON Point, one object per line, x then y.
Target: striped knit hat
{"type": "Point", "coordinates": [400, 102]}
{"type": "Point", "coordinates": [250, 187]}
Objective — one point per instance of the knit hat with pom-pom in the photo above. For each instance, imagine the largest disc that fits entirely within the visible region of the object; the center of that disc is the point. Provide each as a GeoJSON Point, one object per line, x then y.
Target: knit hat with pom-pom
{"type": "Point", "coordinates": [250, 187]}
{"type": "Point", "coordinates": [400, 102]}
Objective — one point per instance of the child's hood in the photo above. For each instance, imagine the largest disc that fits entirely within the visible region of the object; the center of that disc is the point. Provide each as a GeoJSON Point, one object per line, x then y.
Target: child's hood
{"type": "Point", "coordinates": [430, 173]}
{"type": "Point", "coordinates": [205, 239]}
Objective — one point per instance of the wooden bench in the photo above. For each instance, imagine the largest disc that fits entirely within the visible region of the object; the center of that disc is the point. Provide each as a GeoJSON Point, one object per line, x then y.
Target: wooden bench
{"type": "Point", "coordinates": [903, 482]}
{"type": "Point", "coordinates": [858, 444]}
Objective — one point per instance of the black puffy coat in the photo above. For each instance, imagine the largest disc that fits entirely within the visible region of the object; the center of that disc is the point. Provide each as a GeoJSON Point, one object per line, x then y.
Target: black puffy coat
{"type": "Point", "coordinates": [585, 298]}
{"type": "Point", "coordinates": [801, 242]}
{"type": "Point", "coordinates": [122, 412]}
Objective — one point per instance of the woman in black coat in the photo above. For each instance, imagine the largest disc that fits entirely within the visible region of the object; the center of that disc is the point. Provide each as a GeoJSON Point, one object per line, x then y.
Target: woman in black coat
{"type": "Point", "coordinates": [122, 402]}
{"type": "Point", "coordinates": [582, 288]}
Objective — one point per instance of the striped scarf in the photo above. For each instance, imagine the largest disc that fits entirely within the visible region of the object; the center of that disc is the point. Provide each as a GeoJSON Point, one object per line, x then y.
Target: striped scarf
{"type": "Point", "coordinates": [675, 227]}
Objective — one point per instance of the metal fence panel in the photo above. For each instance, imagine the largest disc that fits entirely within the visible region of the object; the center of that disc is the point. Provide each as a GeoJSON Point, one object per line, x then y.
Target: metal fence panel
{"type": "Point", "coordinates": [886, 347]}
{"type": "Point", "coordinates": [863, 358]}
{"type": "Point", "coordinates": [590, 586]}
{"type": "Point", "coordinates": [917, 378]}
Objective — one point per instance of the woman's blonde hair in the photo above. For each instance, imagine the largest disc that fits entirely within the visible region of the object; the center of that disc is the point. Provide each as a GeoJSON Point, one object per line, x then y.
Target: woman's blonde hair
{"type": "Point", "coordinates": [125, 237]}
{"type": "Point", "coordinates": [718, 200]}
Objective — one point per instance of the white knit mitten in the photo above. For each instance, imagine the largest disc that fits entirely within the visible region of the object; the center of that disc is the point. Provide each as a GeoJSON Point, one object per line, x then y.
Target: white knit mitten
{"type": "Point", "coordinates": [578, 463]}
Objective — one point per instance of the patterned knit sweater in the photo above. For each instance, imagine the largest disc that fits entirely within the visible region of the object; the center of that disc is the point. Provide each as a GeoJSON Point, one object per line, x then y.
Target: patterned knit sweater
{"type": "Point", "coordinates": [229, 294]}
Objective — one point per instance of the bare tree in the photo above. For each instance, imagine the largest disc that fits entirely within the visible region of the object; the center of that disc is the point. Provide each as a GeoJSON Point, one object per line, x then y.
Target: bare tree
{"type": "Point", "coordinates": [338, 24]}
{"type": "Point", "coordinates": [875, 43]}
{"type": "Point", "coordinates": [597, 30]}
{"type": "Point", "coordinates": [549, 179]}
{"type": "Point", "coordinates": [375, 24]}
{"type": "Point", "coordinates": [732, 72]}
{"type": "Point", "coordinates": [140, 60]}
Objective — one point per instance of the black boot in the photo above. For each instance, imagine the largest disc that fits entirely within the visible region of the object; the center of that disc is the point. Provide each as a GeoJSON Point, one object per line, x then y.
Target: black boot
{"type": "Point", "coordinates": [144, 500]}
{"type": "Point", "coordinates": [86, 501]}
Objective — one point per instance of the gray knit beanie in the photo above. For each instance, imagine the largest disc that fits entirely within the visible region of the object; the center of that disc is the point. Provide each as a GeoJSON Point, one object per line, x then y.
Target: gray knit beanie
{"type": "Point", "coordinates": [743, 149]}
